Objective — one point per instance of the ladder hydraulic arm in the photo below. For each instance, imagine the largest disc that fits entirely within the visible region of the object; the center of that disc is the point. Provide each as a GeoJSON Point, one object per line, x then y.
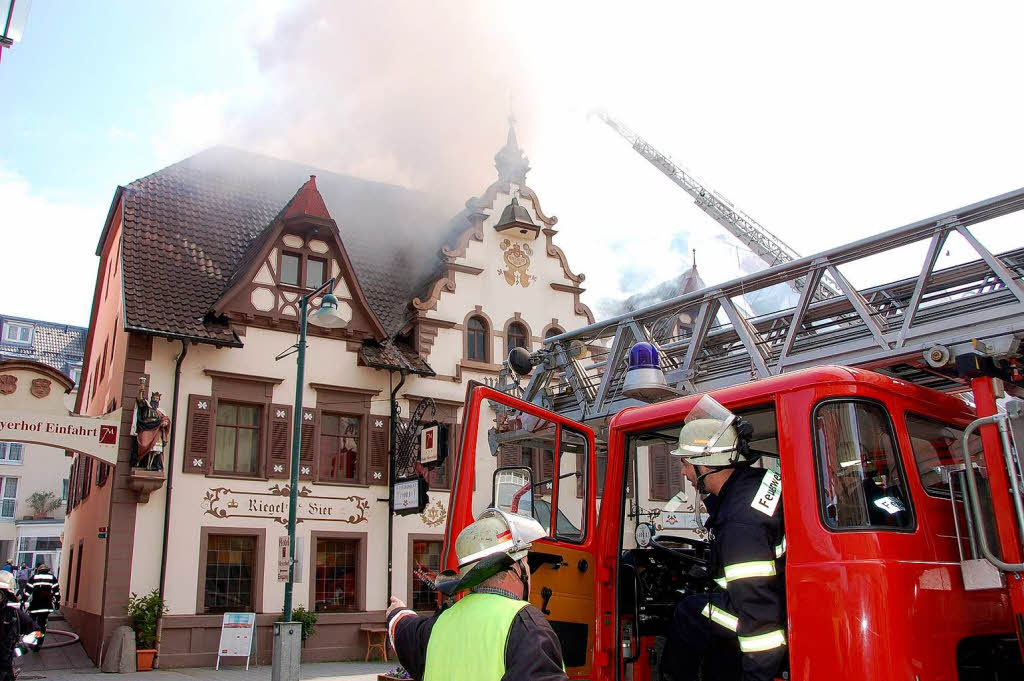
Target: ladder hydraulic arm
{"type": "Point", "coordinates": [751, 233]}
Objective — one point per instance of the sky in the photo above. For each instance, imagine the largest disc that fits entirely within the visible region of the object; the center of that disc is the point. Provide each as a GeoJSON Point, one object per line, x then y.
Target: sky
{"type": "Point", "coordinates": [826, 122]}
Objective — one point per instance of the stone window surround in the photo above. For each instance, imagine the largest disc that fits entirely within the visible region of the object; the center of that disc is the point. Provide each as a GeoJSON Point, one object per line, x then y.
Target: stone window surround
{"type": "Point", "coordinates": [517, 318]}
{"type": "Point", "coordinates": [352, 402]}
{"type": "Point", "coordinates": [258, 562]}
{"type": "Point", "coordinates": [360, 581]}
{"type": "Point", "coordinates": [413, 538]}
{"type": "Point", "coordinates": [243, 389]}
{"type": "Point", "coordinates": [488, 335]}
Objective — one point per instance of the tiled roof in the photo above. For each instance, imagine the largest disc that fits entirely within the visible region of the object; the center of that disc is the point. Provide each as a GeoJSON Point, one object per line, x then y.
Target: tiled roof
{"type": "Point", "coordinates": [188, 227]}
{"type": "Point", "coordinates": [395, 356]}
{"type": "Point", "coordinates": [56, 345]}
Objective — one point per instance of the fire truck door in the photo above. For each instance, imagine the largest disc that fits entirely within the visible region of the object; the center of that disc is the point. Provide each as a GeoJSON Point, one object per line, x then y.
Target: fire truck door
{"type": "Point", "coordinates": [557, 457]}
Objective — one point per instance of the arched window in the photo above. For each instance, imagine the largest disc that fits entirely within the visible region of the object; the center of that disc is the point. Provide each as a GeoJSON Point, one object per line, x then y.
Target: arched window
{"type": "Point", "coordinates": [476, 339]}
{"type": "Point", "coordinates": [553, 331]}
{"type": "Point", "coordinates": [517, 337]}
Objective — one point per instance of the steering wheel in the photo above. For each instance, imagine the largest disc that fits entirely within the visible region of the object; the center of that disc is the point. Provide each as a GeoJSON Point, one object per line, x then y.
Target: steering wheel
{"type": "Point", "coordinates": [661, 544]}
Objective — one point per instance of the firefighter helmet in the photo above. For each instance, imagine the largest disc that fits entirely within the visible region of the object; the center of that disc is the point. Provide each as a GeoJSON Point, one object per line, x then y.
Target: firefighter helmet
{"type": "Point", "coordinates": [486, 547]}
{"type": "Point", "coordinates": [712, 436]}
{"type": "Point", "coordinates": [7, 582]}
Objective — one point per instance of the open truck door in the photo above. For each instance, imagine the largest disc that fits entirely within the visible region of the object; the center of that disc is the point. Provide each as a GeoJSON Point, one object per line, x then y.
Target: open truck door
{"type": "Point", "coordinates": [527, 460]}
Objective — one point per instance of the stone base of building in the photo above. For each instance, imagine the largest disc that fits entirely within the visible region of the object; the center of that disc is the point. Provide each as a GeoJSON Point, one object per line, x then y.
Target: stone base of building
{"type": "Point", "coordinates": [192, 640]}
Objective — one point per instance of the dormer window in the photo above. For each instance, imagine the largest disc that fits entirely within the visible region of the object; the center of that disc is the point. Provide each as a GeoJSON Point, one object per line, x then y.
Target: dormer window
{"type": "Point", "coordinates": [18, 334]}
{"type": "Point", "coordinates": [298, 267]}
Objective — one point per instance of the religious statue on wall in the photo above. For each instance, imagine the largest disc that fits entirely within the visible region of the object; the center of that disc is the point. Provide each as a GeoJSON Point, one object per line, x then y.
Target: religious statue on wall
{"type": "Point", "coordinates": [151, 428]}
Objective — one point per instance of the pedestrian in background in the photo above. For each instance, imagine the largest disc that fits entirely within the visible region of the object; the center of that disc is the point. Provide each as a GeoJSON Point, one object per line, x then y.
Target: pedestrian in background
{"type": "Point", "coordinates": [23, 575]}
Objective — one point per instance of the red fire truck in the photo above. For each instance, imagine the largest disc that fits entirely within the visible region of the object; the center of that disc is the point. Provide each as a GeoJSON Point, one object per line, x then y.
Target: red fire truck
{"type": "Point", "coordinates": [931, 592]}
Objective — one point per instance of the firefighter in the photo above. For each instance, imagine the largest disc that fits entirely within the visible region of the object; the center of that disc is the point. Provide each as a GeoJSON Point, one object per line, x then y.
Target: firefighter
{"type": "Point", "coordinates": [738, 628]}
{"type": "Point", "coordinates": [13, 623]}
{"type": "Point", "coordinates": [492, 633]}
{"type": "Point", "coordinates": [43, 598]}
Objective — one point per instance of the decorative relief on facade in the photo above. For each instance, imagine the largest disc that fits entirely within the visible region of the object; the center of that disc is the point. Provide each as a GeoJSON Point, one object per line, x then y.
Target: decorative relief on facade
{"type": "Point", "coordinates": [434, 514]}
{"type": "Point", "coordinates": [292, 240]}
{"type": "Point", "coordinates": [517, 257]}
{"type": "Point", "coordinates": [40, 387]}
{"type": "Point", "coordinates": [8, 384]}
{"type": "Point", "coordinates": [318, 246]}
{"type": "Point", "coordinates": [262, 299]}
{"type": "Point", "coordinates": [222, 502]}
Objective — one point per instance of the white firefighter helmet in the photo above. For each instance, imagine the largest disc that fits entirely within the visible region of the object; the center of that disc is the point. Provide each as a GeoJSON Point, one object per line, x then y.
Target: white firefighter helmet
{"type": "Point", "coordinates": [709, 437]}
{"type": "Point", "coordinates": [8, 583]}
{"type": "Point", "coordinates": [494, 542]}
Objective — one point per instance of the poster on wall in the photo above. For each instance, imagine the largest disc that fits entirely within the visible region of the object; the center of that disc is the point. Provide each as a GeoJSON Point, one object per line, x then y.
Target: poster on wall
{"type": "Point", "coordinates": [237, 632]}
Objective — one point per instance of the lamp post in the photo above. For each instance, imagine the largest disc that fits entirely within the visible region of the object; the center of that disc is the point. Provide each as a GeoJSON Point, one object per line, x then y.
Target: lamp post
{"type": "Point", "coordinates": [13, 14]}
{"type": "Point", "coordinates": [287, 634]}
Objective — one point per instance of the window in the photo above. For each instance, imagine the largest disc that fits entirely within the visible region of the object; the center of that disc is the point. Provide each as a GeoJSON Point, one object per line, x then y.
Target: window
{"type": "Point", "coordinates": [572, 467]}
{"type": "Point", "coordinates": [237, 449]}
{"type": "Point", "coordinates": [35, 550]}
{"type": "Point", "coordinates": [290, 266]}
{"type": "Point", "coordinates": [64, 490]}
{"type": "Point", "coordinates": [339, 448]}
{"type": "Point", "coordinates": [335, 576]}
{"type": "Point", "coordinates": [424, 564]}
{"type": "Point", "coordinates": [516, 336]}
{"type": "Point", "coordinates": [315, 269]}
{"type": "Point", "coordinates": [75, 373]}
{"type": "Point", "coordinates": [552, 332]}
{"type": "Point", "coordinates": [230, 570]}
{"type": "Point", "coordinates": [862, 482]}
{"type": "Point", "coordinates": [8, 497]}
{"type": "Point", "coordinates": [78, 569]}
{"type": "Point", "coordinates": [11, 452]}
{"type": "Point", "coordinates": [476, 339]}
{"type": "Point", "coordinates": [19, 334]}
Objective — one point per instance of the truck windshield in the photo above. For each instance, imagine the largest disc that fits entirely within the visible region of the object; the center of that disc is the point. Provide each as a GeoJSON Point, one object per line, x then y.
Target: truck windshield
{"type": "Point", "coordinates": [862, 482]}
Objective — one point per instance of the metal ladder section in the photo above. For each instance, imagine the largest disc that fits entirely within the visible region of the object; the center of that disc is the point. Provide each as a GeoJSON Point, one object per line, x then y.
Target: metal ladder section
{"type": "Point", "coordinates": [886, 328]}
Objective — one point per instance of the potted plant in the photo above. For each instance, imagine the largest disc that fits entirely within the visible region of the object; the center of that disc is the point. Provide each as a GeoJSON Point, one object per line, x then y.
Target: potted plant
{"type": "Point", "coordinates": [396, 674]}
{"type": "Point", "coordinates": [43, 504]}
{"type": "Point", "coordinates": [145, 612]}
{"type": "Point", "coordinates": [308, 620]}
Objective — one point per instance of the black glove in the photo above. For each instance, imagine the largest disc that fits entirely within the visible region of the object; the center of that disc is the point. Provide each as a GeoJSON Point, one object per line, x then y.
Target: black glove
{"type": "Point", "coordinates": [744, 430]}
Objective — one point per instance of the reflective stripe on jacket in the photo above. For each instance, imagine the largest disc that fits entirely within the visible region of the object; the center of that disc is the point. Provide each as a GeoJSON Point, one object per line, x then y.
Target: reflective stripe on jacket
{"type": "Point", "coordinates": [748, 554]}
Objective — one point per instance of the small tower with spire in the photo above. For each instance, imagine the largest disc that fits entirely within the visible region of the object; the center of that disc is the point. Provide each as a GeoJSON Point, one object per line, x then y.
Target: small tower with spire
{"type": "Point", "coordinates": [510, 160]}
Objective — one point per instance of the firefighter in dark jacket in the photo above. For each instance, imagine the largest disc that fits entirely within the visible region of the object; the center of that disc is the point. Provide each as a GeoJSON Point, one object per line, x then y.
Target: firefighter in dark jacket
{"type": "Point", "coordinates": [492, 633]}
{"type": "Point", "coordinates": [43, 597]}
{"type": "Point", "coordinates": [14, 622]}
{"type": "Point", "coordinates": [739, 627]}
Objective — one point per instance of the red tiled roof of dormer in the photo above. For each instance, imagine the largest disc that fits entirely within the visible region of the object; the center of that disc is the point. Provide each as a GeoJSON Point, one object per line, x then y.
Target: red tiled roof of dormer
{"type": "Point", "coordinates": [307, 202]}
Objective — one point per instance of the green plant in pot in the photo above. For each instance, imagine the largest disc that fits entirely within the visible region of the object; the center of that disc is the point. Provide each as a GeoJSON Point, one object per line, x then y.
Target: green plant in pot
{"type": "Point", "coordinates": [43, 503]}
{"type": "Point", "coordinates": [145, 612]}
{"type": "Point", "coordinates": [307, 619]}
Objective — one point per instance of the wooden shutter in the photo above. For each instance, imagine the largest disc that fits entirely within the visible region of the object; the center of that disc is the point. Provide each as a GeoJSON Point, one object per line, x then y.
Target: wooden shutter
{"type": "Point", "coordinates": [308, 448]}
{"type": "Point", "coordinates": [200, 434]}
{"type": "Point", "coordinates": [378, 450]}
{"type": "Point", "coordinates": [659, 463]}
{"type": "Point", "coordinates": [675, 473]}
{"type": "Point", "coordinates": [510, 455]}
{"type": "Point", "coordinates": [280, 449]}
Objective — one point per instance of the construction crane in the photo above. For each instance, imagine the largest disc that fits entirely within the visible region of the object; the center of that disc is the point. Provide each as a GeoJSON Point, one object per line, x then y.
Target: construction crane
{"type": "Point", "coordinates": [770, 248]}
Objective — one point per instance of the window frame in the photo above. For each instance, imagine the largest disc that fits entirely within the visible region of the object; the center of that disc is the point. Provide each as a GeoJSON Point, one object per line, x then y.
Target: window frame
{"type": "Point", "coordinates": [560, 486]}
{"type": "Point", "coordinates": [6, 447]}
{"type": "Point", "coordinates": [259, 555]}
{"type": "Point", "coordinates": [260, 428]}
{"type": "Point", "coordinates": [413, 538]}
{"type": "Point", "coordinates": [360, 581]}
{"type": "Point", "coordinates": [299, 275]}
{"type": "Point", "coordinates": [3, 498]}
{"type": "Point", "coordinates": [305, 272]}
{"type": "Point", "coordinates": [900, 465]}
{"type": "Point", "coordinates": [10, 326]}
{"type": "Point", "coordinates": [304, 258]}
{"type": "Point", "coordinates": [485, 332]}
{"type": "Point", "coordinates": [361, 447]}
{"type": "Point", "coordinates": [525, 334]}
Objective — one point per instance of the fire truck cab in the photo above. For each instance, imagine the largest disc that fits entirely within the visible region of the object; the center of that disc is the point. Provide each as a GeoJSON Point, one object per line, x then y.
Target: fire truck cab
{"type": "Point", "coordinates": [888, 532]}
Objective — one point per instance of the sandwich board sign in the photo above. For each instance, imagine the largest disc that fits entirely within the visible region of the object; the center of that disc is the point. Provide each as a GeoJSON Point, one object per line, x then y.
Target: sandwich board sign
{"type": "Point", "coordinates": [237, 634]}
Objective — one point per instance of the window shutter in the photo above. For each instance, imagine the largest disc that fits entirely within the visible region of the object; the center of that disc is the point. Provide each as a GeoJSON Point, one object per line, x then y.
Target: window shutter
{"type": "Point", "coordinates": [510, 455]}
{"type": "Point", "coordinates": [280, 441]}
{"type": "Point", "coordinates": [675, 473]}
{"type": "Point", "coordinates": [199, 440]}
{"type": "Point", "coordinates": [659, 463]}
{"type": "Point", "coordinates": [377, 452]}
{"type": "Point", "coordinates": [308, 449]}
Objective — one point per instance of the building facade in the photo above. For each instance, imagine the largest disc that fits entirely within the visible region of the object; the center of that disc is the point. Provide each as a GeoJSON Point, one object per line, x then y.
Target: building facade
{"type": "Point", "coordinates": [29, 535]}
{"type": "Point", "coordinates": [201, 267]}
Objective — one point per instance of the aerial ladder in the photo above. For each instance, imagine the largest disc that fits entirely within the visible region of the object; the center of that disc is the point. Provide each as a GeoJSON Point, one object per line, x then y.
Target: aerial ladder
{"type": "Point", "coordinates": [755, 236]}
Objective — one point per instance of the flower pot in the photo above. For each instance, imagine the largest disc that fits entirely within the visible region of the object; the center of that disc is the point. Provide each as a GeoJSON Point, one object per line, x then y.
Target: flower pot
{"type": "Point", "coordinates": [144, 659]}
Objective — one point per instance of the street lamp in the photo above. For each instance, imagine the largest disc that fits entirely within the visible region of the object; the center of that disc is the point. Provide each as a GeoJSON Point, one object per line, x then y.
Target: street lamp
{"type": "Point", "coordinates": [287, 637]}
{"type": "Point", "coordinates": [13, 14]}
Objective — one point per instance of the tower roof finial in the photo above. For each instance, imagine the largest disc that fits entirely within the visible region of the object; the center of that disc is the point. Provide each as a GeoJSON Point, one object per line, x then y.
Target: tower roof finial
{"type": "Point", "coordinates": [511, 162]}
